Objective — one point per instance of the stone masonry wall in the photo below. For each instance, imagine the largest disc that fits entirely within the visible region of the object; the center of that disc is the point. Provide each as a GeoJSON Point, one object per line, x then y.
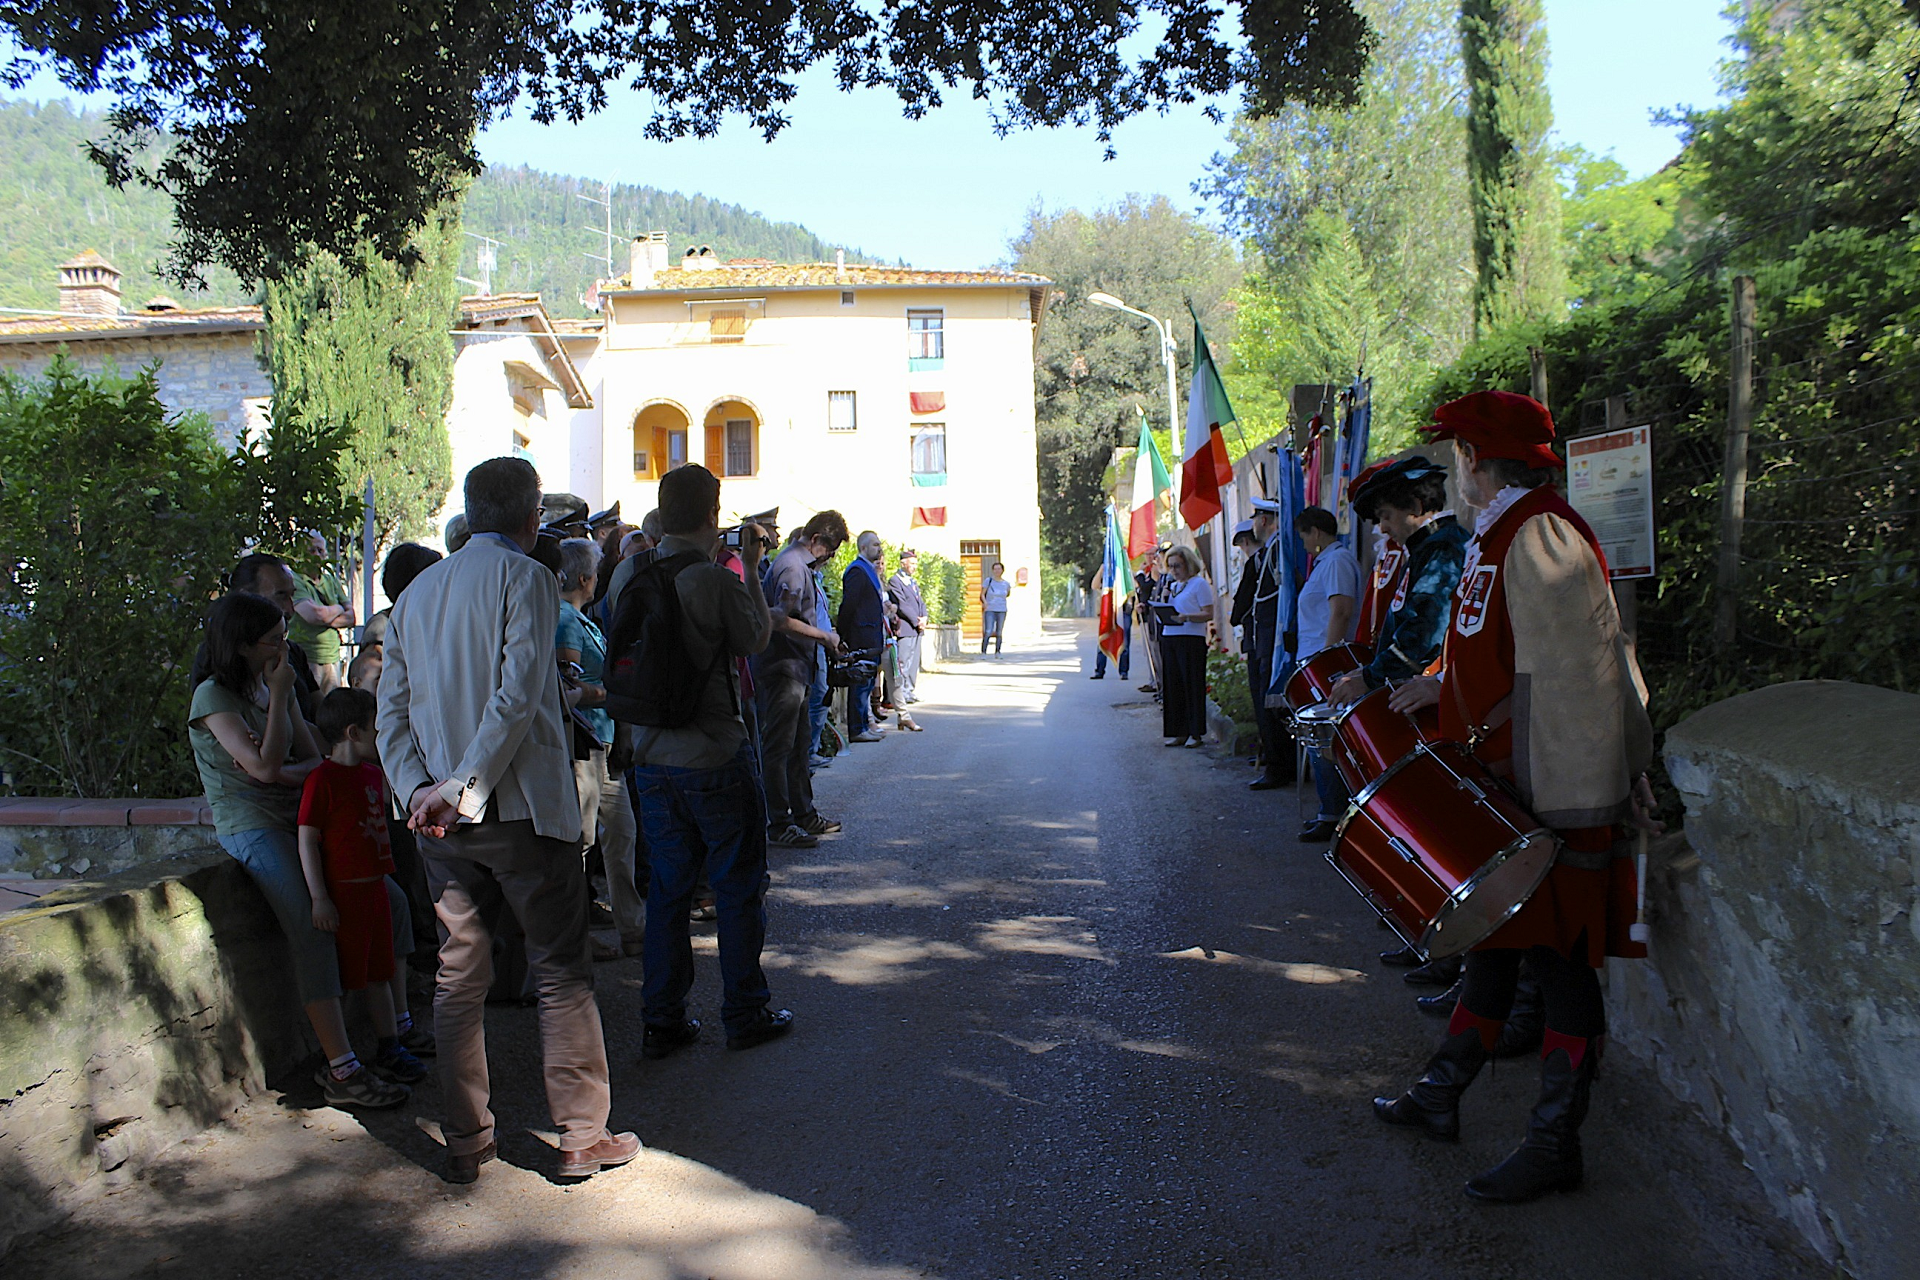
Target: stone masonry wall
{"type": "Point", "coordinates": [217, 374]}
{"type": "Point", "coordinates": [133, 1014]}
{"type": "Point", "coordinates": [1783, 993]}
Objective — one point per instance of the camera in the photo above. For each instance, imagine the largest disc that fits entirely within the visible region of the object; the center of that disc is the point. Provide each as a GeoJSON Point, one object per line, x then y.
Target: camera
{"type": "Point", "coordinates": [734, 539]}
{"type": "Point", "coordinates": [846, 670]}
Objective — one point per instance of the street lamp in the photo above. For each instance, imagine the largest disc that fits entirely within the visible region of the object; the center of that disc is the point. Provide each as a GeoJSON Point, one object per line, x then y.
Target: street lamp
{"type": "Point", "coordinates": [1167, 352]}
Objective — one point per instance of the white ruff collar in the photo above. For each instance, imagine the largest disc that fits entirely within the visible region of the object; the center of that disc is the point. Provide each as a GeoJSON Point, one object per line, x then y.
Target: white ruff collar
{"type": "Point", "coordinates": [1497, 508]}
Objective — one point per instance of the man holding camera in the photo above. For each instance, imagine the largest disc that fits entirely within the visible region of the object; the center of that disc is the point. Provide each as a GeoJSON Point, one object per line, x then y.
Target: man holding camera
{"type": "Point", "coordinates": [783, 676]}
{"type": "Point", "coordinates": [699, 789]}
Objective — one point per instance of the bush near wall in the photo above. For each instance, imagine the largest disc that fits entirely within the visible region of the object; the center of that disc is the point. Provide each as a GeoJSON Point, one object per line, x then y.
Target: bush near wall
{"type": "Point", "coordinates": [1227, 686]}
{"type": "Point", "coordinates": [118, 523]}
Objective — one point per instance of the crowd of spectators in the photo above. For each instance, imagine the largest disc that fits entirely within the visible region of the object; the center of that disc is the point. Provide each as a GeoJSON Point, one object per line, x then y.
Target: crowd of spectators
{"type": "Point", "coordinates": [566, 724]}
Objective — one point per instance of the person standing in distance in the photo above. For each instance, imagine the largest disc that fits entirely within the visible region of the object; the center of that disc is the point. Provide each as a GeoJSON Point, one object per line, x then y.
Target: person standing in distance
{"type": "Point", "coordinates": [699, 786]}
{"type": "Point", "coordinates": [862, 624]}
{"type": "Point", "coordinates": [1326, 611]}
{"type": "Point", "coordinates": [993, 607]}
{"type": "Point", "coordinates": [472, 733]}
{"type": "Point", "coordinates": [783, 675]}
{"type": "Point", "coordinates": [910, 626]}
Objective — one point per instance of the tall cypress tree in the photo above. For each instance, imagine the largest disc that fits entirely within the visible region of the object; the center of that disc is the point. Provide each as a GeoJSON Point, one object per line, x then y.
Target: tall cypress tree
{"type": "Point", "coordinates": [365, 342]}
{"type": "Point", "coordinates": [1511, 183]}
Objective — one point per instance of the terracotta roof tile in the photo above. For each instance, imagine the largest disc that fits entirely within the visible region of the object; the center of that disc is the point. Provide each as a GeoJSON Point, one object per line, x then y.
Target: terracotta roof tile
{"type": "Point", "coordinates": [144, 323]}
{"type": "Point", "coordinates": [825, 275]}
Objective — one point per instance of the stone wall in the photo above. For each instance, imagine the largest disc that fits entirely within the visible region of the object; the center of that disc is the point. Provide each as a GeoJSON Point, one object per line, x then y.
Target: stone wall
{"type": "Point", "coordinates": [1783, 995]}
{"type": "Point", "coordinates": [133, 1013]}
{"type": "Point", "coordinates": [218, 374]}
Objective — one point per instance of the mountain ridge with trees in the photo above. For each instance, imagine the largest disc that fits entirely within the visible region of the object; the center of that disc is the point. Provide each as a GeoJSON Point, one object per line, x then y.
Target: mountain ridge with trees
{"type": "Point", "coordinates": [55, 203]}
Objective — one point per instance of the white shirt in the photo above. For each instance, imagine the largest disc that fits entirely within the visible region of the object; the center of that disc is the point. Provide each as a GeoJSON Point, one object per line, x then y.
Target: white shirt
{"type": "Point", "coordinates": [1335, 573]}
{"type": "Point", "coordinates": [1195, 595]}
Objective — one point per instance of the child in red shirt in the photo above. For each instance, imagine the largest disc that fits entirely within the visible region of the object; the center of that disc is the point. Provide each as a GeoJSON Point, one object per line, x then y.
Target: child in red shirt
{"type": "Point", "coordinates": [345, 854]}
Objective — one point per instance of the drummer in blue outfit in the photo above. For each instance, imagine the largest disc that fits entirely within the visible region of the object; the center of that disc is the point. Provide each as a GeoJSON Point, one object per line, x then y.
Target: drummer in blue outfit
{"type": "Point", "coordinates": [1325, 616]}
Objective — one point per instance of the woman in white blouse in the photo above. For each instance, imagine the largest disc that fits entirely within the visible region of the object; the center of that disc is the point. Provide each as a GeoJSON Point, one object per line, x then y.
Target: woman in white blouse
{"type": "Point", "coordinates": [1183, 651]}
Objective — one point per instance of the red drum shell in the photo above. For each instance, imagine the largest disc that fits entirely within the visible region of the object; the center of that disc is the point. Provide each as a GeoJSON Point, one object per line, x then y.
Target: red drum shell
{"type": "Point", "coordinates": [1312, 679]}
{"type": "Point", "coordinates": [1370, 737]}
{"type": "Point", "coordinates": [1440, 850]}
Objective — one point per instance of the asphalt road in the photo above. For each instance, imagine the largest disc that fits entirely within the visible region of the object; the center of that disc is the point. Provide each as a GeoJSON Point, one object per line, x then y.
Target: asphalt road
{"type": "Point", "coordinates": [1069, 1004]}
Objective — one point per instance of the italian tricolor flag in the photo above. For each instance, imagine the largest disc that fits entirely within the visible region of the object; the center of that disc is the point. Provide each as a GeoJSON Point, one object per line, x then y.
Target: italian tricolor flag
{"type": "Point", "coordinates": [1204, 469]}
{"type": "Point", "coordinates": [1150, 481]}
{"type": "Point", "coordinates": [1116, 583]}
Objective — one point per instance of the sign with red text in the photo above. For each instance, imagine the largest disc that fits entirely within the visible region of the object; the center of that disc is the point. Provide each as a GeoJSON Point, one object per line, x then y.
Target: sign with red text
{"type": "Point", "coordinates": [1610, 483]}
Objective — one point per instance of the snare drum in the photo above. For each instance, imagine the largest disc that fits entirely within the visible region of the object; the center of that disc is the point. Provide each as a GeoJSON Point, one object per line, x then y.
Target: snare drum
{"type": "Point", "coordinates": [1313, 728]}
{"type": "Point", "coordinates": [1313, 679]}
{"type": "Point", "coordinates": [1440, 850]}
{"type": "Point", "coordinates": [1368, 737]}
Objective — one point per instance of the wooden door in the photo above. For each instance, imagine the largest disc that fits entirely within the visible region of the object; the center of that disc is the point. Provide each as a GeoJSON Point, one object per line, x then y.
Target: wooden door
{"type": "Point", "coordinates": [976, 559]}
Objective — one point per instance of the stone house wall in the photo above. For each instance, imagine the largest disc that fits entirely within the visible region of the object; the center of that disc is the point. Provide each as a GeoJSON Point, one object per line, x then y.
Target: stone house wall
{"type": "Point", "coordinates": [219, 374]}
{"type": "Point", "coordinates": [1783, 994]}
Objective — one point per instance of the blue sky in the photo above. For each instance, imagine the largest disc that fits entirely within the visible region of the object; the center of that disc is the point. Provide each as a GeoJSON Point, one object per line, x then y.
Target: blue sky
{"type": "Point", "coordinates": [944, 192]}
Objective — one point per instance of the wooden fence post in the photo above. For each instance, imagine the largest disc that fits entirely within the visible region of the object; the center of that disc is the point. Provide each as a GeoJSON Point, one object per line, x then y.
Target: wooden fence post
{"type": "Point", "coordinates": [1733, 492]}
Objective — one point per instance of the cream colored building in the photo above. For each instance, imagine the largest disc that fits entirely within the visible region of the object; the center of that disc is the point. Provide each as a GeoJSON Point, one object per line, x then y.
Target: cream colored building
{"type": "Point", "coordinates": [901, 398]}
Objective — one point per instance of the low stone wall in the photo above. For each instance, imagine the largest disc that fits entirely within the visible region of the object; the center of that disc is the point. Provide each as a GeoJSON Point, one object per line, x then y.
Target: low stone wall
{"type": "Point", "coordinates": [58, 838]}
{"type": "Point", "coordinates": [1783, 996]}
{"type": "Point", "coordinates": [133, 1013]}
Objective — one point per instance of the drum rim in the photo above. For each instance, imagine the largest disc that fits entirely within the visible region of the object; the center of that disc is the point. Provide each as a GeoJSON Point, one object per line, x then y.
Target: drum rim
{"type": "Point", "coordinates": [1465, 890]}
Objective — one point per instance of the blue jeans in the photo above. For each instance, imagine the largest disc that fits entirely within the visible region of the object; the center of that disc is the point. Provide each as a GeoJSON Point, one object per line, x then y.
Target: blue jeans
{"type": "Point", "coordinates": [993, 626]}
{"type": "Point", "coordinates": [716, 818]}
{"type": "Point", "coordinates": [859, 709]}
{"type": "Point", "coordinates": [817, 703]}
{"type": "Point", "coordinates": [272, 860]}
{"type": "Point", "coordinates": [1331, 788]}
{"type": "Point", "coordinates": [1100, 655]}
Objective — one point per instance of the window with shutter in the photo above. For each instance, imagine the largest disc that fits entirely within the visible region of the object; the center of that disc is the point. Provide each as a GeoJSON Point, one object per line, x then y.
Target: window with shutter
{"type": "Point", "coordinates": [739, 447]}
{"type": "Point", "coordinates": [727, 326]}
{"type": "Point", "coordinates": [841, 415]}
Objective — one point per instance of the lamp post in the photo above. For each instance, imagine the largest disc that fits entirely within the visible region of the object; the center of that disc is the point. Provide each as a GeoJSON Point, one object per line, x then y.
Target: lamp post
{"type": "Point", "coordinates": [1164, 329]}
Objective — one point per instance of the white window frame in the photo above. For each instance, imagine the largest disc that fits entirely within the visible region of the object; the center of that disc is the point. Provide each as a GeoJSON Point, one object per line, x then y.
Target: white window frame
{"type": "Point", "coordinates": [843, 411]}
{"type": "Point", "coordinates": [913, 446]}
{"type": "Point", "coordinates": [926, 341]}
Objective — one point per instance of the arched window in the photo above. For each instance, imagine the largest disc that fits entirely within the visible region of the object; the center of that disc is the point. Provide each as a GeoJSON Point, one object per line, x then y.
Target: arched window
{"type": "Point", "coordinates": [733, 439]}
{"type": "Point", "coordinates": [659, 440]}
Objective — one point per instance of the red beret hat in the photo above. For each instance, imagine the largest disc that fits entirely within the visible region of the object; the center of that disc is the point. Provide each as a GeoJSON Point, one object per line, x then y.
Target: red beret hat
{"type": "Point", "coordinates": [1499, 424]}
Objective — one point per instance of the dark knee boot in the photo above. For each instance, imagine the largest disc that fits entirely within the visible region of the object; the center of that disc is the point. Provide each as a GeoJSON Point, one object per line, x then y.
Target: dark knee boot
{"type": "Point", "coordinates": [1549, 1157]}
{"type": "Point", "coordinates": [1432, 1105]}
{"type": "Point", "coordinates": [1527, 1021]}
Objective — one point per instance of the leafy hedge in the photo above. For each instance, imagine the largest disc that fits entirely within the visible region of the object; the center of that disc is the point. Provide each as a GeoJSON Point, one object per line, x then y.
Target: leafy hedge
{"type": "Point", "coordinates": [943, 584]}
{"type": "Point", "coordinates": [1227, 686]}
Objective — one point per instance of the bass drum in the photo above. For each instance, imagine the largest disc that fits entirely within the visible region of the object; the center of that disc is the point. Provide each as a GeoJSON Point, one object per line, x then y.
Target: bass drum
{"type": "Point", "coordinates": [1439, 849]}
{"type": "Point", "coordinates": [1311, 680]}
{"type": "Point", "coordinates": [1369, 737]}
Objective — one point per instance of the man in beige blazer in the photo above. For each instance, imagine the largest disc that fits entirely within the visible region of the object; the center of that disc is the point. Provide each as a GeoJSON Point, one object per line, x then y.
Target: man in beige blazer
{"type": "Point", "coordinates": [474, 741]}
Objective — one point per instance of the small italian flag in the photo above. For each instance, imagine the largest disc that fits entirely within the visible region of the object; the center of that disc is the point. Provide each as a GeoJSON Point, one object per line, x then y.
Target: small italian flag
{"type": "Point", "coordinates": [1150, 481]}
{"type": "Point", "coordinates": [1204, 469]}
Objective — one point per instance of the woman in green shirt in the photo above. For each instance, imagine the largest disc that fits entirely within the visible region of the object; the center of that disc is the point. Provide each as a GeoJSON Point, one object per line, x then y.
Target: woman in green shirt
{"type": "Point", "coordinates": [254, 752]}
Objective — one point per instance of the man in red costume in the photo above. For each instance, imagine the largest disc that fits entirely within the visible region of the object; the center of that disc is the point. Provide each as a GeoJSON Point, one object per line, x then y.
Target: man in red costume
{"type": "Point", "coordinates": [1389, 568]}
{"type": "Point", "coordinates": [1539, 682]}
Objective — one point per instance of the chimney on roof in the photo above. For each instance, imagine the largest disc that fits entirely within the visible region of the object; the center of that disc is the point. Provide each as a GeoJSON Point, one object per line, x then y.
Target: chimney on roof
{"type": "Point", "coordinates": [648, 256]}
{"type": "Point", "coordinates": [700, 259]}
{"type": "Point", "coordinates": [160, 304]}
{"type": "Point", "coordinates": [839, 266]}
{"type": "Point", "coordinates": [89, 285]}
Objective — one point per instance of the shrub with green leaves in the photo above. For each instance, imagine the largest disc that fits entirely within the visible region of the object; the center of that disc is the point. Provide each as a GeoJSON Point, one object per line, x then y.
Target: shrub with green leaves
{"type": "Point", "coordinates": [118, 522]}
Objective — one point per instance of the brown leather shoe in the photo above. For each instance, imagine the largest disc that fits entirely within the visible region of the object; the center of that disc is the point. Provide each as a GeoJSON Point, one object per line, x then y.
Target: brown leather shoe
{"type": "Point", "coordinates": [613, 1149]}
{"type": "Point", "coordinates": [463, 1169]}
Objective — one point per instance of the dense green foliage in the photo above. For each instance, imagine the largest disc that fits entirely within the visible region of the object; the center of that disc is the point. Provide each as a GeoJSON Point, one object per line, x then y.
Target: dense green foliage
{"type": "Point", "coordinates": [1363, 238]}
{"type": "Point", "coordinates": [308, 122]}
{"type": "Point", "coordinates": [366, 344]}
{"type": "Point", "coordinates": [1519, 273]}
{"type": "Point", "coordinates": [54, 204]}
{"type": "Point", "coordinates": [1227, 686]}
{"type": "Point", "coordinates": [943, 583]}
{"type": "Point", "coordinates": [1830, 570]}
{"type": "Point", "coordinates": [1098, 369]}
{"type": "Point", "coordinates": [117, 523]}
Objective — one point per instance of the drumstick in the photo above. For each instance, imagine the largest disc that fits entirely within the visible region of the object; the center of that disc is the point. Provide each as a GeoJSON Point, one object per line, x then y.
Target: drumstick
{"type": "Point", "coordinates": [1640, 931]}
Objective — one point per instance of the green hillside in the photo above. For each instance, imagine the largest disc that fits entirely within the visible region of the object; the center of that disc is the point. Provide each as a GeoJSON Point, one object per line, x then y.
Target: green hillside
{"type": "Point", "coordinates": [54, 204]}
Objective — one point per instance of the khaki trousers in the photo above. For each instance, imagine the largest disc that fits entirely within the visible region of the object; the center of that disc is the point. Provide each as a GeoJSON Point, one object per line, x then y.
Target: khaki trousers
{"type": "Point", "coordinates": [605, 808]}
{"type": "Point", "coordinates": [474, 873]}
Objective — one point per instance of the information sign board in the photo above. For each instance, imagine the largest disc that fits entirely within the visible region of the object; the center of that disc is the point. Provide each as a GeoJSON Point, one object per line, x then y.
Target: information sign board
{"type": "Point", "coordinates": [1610, 483]}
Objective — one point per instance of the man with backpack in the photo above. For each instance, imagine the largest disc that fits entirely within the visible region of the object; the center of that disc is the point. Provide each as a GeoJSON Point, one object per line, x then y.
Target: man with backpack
{"type": "Point", "coordinates": [681, 621]}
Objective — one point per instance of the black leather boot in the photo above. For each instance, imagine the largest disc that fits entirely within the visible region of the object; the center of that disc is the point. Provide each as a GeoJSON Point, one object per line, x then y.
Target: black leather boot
{"type": "Point", "coordinates": [1435, 973]}
{"type": "Point", "coordinates": [1432, 1105]}
{"type": "Point", "coordinates": [1528, 1020]}
{"type": "Point", "coordinates": [1441, 1005]}
{"type": "Point", "coordinates": [1548, 1159]}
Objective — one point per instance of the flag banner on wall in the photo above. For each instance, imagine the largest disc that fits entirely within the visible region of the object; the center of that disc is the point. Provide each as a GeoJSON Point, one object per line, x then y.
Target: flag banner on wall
{"type": "Point", "coordinates": [927, 401]}
{"type": "Point", "coordinates": [1150, 481]}
{"type": "Point", "coordinates": [1204, 469]}
{"type": "Point", "coordinates": [1355, 439]}
{"type": "Point", "coordinates": [1290, 492]}
{"type": "Point", "coordinates": [1116, 581]}
{"type": "Point", "coordinates": [929, 479]}
{"type": "Point", "coordinates": [929, 517]}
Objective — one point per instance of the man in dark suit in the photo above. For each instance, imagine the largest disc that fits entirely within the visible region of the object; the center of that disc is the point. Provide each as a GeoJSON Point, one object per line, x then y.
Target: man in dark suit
{"type": "Point", "coordinates": [862, 624]}
{"type": "Point", "coordinates": [1276, 743]}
